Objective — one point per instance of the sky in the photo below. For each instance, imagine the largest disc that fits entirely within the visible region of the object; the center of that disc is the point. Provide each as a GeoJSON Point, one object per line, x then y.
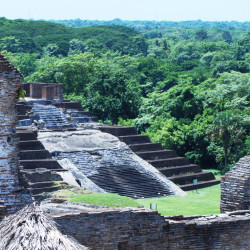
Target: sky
{"type": "Point", "coordinates": [170, 10]}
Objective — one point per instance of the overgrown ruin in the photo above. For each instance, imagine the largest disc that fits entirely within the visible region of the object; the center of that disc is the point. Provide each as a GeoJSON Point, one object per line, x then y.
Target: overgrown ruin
{"type": "Point", "coordinates": [46, 129]}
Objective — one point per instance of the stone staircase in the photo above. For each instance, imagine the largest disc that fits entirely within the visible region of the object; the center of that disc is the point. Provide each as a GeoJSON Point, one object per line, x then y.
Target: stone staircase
{"type": "Point", "coordinates": [52, 116]}
{"type": "Point", "coordinates": [123, 181]}
{"type": "Point", "coordinates": [37, 164]}
{"type": "Point", "coordinates": [75, 110]}
{"type": "Point", "coordinates": [177, 169]}
{"type": "Point", "coordinates": [129, 182]}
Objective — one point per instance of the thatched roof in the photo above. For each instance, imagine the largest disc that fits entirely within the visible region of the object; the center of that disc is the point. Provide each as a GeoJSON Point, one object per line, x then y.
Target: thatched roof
{"type": "Point", "coordinates": [32, 229]}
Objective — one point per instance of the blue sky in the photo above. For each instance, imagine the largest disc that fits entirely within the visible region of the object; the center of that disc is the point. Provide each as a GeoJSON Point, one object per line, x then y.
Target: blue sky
{"type": "Point", "coordinates": [173, 10]}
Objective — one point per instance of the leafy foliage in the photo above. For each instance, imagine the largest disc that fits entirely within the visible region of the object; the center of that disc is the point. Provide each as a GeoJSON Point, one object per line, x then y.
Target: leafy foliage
{"type": "Point", "coordinates": [174, 81]}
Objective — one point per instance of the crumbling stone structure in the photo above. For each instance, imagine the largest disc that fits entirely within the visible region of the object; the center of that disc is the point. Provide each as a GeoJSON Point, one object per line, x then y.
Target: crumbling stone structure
{"type": "Point", "coordinates": [10, 82]}
{"type": "Point", "coordinates": [48, 91]}
{"type": "Point", "coordinates": [235, 187]}
{"type": "Point", "coordinates": [127, 228]}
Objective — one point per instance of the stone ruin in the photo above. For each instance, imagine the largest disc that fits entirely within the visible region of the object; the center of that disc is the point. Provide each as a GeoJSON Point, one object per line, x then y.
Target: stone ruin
{"type": "Point", "coordinates": [112, 228]}
{"type": "Point", "coordinates": [235, 187]}
{"type": "Point", "coordinates": [10, 192]}
{"type": "Point", "coordinates": [47, 91]}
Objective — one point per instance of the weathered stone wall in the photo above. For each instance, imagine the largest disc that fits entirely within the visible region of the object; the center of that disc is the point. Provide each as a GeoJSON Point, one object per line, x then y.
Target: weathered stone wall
{"type": "Point", "coordinates": [223, 231]}
{"type": "Point", "coordinates": [115, 228]}
{"type": "Point", "coordinates": [48, 91]}
{"type": "Point", "coordinates": [235, 187]}
{"type": "Point", "coordinates": [10, 82]}
{"type": "Point", "coordinates": [145, 229]}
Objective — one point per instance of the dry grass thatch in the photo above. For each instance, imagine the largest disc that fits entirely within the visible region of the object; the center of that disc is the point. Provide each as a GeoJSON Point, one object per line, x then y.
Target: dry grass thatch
{"type": "Point", "coordinates": [32, 229]}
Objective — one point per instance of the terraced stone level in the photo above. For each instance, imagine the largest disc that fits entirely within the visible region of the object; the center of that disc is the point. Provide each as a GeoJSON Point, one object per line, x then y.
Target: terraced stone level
{"type": "Point", "coordinates": [81, 116]}
{"type": "Point", "coordinates": [129, 182]}
{"type": "Point", "coordinates": [52, 116]}
{"type": "Point", "coordinates": [37, 164]}
{"type": "Point", "coordinates": [177, 169]}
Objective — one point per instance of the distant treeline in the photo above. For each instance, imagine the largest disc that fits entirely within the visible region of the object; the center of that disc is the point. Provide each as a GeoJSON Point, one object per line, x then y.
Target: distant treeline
{"type": "Point", "coordinates": [146, 25]}
{"type": "Point", "coordinates": [32, 36]}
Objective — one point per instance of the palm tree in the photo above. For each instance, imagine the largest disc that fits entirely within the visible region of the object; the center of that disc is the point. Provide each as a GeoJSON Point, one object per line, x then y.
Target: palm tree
{"type": "Point", "coordinates": [226, 128]}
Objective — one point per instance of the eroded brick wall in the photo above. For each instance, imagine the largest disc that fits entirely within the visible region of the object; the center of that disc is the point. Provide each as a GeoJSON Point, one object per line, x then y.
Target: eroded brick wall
{"type": "Point", "coordinates": [223, 231]}
{"type": "Point", "coordinates": [114, 228]}
{"type": "Point", "coordinates": [235, 187]}
{"type": "Point", "coordinates": [10, 81]}
{"type": "Point", "coordinates": [48, 91]}
{"type": "Point", "coordinates": [145, 229]}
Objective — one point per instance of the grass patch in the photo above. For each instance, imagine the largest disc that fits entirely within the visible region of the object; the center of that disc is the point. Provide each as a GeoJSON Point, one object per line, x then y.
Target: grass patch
{"type": "Point", "coordinates": [79, 195]}
{"type": "Point", "coordinates": [105, 199]}
{"type": "Point", "coordinates": [205, 201]}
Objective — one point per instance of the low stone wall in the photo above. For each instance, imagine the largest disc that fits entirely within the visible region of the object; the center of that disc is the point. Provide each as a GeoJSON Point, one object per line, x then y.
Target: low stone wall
{"type": "Point", "coordinates": [145, 229]}
{"type": "Point", "coordinates": [223, 231]}
{"type": "Point", "coordinates": [114, 228]}
{"type": "Point", "coordinates": [235, 187]}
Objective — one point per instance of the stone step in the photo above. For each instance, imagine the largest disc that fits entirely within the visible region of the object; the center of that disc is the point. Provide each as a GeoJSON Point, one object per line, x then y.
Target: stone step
{"type": "Point", "coordinates": [36, 191]}
{"type": "Point", "coordinates": [141, 186]}
{"type": "Point", "coordinates": [134, 139]}
{"type": "Point", "coordinates": [20, 108]}
{"type": "Point", "coordinates": [21, 102]}
{"type": "Point", "coordinates": [119, 130]}
{"type": "Point", "coordinates": [30, 145]}
{"type": "Point", "coordinates": [129, 182]}
{"type": "Point", "coordinates": [80, 114]}
{"type": "Point", "coordinates": [42, 163]}
{"type": "Point", "coordinates": [24, 123]}
{"type": "Point", "coordinates": [180, 170]}
{"type": "Point", "coordinates": [204, 184]}
{"type": "Point", "coordinates": [169, 162]}
{"type": "Point", "coordinates": [42, 175]}
{"type": "Point", "coordinates": [94, 119]}
{"type": "Point", "coordinates": [34, 154]}
{"type": "Point", "coordinates": [188, 179]}
{"type": "Point", "coordinates": [41, 184]}
{"type": "Point", "coordinates": [158, 154]}
{"type": "Point", "coordinates": [141, 147]}
{"type": "Point", "coordinates": [33, 102]}
{"type": "Point", "coordinates": [130, 191]}
{"type": "Point", "coordinates": [27, 107]}
{"type": "Point", "coordinates": [136, 181]}
{"type": "Point", "coordinates": [22, 117]}
{"type": "Point", "coordinates": [26, 135]}
{"type": "Point", "coordinates": [83, 119]}
{"type": "Point", "coordinates": [69, 105]}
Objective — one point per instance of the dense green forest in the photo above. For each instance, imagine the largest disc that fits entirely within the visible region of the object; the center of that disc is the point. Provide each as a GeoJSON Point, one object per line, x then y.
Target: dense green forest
{"type": "Point", "coordinates": [185, 84]}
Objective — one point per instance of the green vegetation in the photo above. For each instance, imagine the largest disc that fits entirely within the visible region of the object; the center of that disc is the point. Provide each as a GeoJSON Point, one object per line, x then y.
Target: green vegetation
{"type": "Point", "coordinates": [78, 195]}
{"type": "Point", "coordinates": [181, 83]}
{"type": "Point", "coordinates": [22, 36]}
{"type": "Point", "coordinates": [202, 202]}
{"type": "Point", "coordinates": [106, 199]}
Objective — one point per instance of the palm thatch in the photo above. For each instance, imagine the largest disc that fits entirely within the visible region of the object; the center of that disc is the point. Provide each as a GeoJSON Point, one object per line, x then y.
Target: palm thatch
{"type": "Point", "coordinates": [33, 229]}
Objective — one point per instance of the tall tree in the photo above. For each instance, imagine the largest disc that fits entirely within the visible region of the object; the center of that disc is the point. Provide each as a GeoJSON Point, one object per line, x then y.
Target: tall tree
{"type": "Point", "coordinates": [227, 129]}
